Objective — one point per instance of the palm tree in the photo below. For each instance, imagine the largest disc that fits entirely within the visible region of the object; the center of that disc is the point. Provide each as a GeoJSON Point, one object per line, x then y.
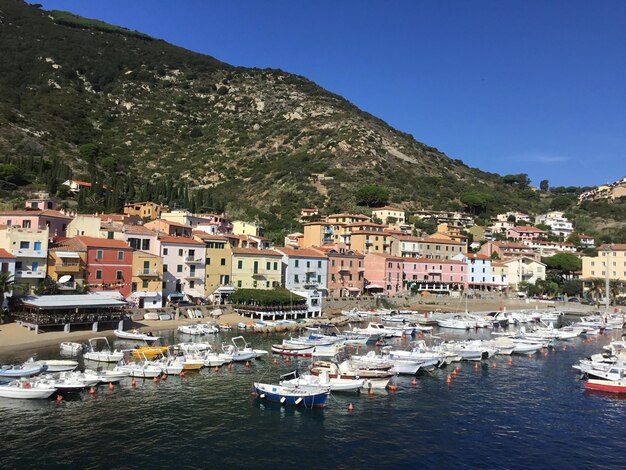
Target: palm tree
{"type": "Point", "coordinates": [615, 288]}
{"type": "Point", "coordinates": [596, 288]}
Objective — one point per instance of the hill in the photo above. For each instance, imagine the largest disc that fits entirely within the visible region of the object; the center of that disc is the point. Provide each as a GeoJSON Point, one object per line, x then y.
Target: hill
{"type": "Point", "coordinates": [150, 120]}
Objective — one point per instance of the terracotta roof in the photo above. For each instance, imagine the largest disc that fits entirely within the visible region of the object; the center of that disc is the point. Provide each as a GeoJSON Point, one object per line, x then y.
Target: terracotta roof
{"type": "Point", "coordinates": [138, 230]}
{"type": "Point", "coordinates": [476, 256]}
{"type": "Point", "coordinates": [510, 245]}
{"type": "Point", "coordinates": [102, 242]}
{"type": "Point", "coordinates": [526, 228]}
{"type": "Point", "coordinates": [440, 240]}
{"type": "Point", "coordinates": [407, 238]}
{"type": "Point", "coordinates": [5, 254]}
{"type": "Point", "coordinates": [365, 224]}
{"type": "Point", "coordinates": [318, 223]}
{"type": "Point", "coordinates": [612, 247]}
{"type": "Point", "coordinates": [498, 264]}
{"type": "Point", "coordinates": [82, 183]}
{"type": "Point", "coordinates": [387, 208]}
{"type": "Point", "coordinates": [112, 217]}
{"type": "Point", "coordinates": [208, 236]}
{"type": "Point", "coordinates": [253, 251]}
{"type": "Point", "coordinates": [65, 244]}
{"type": "Point", "coordinates": [300, 252]}
{"type": "Point", "coordinates": [585, 237]}
{"type": "Point", "coordinates": [37, 213]}
{"type": "Point", "coordinates": [179, 240]}
{"type": "Point", "coordinates": [345, 214]}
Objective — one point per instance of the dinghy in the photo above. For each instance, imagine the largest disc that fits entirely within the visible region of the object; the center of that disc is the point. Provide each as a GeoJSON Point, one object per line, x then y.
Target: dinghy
{"type": "Point", "coordinates": [24, 370]}
{"type": "Point", "coordinates": [71, 348]}
{"type": "Point", "coordinates": [136, 335]}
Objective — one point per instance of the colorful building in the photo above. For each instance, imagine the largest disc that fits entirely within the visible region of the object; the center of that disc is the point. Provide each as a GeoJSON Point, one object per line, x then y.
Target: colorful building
{"type": "Point", "coordinates": [147, 280]}
{"type": "Point", "coordinates": [184, 267]}
{"type": "Point", "coordinates": [218, 264]}
{"type": "Point", "coordinates": [54, 221]}
{"type": "Point", "coordinates": [524, 233]}
{"type": "Point", "coordinates": [479, 275]}
{"type": "Point", "coordinates": [345, 271]}
{"type": "Point", "coordinates": [30, 248]}
{"type": "Point", "coordinates": [256, 269]}
{"type": "Point", "coordinates": [389, 214]}
{"type": "Point", "coordinates": [145, 210]}
{"type": "Point", "coordinates": [383, 274]}
{"type": "Point", "coordinates": [434, 275]}
{"type": "Point", "coordinates": [303, 268]}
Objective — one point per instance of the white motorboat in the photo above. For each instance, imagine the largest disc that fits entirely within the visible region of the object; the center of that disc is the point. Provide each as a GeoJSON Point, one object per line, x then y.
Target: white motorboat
{"type": "Point", "coordinates": [375, 329]}
{"type": "Point", "coordinates": [54, 365]}
{"type": "Point", "coordinates": [103, 355]}
{"type": "Point", "coordinates": [106, 376]}
{"type": "Point", "coordinates": [308, 381]}
{"type": "Point", "coordinates": [144, 370]}
{"type": "Point", "coordinates": [374, 379]}
{"type": "Point", "coordinates": [71, 348]}
{"type": "Point", "coordinates": [26, 390]}
{"type": "Point", "coordinates": [195, 330]}
{"type": "Point", "coordinates": [194, 347]}
{"type": "Point", "coordinates": [526, 346]}
{"type": "Point", "coordinates": [209, 328]}
{"type": "Point", "coordinates": [328, 351]}
{"type": "Point", "coordinates": [136, 335]}
{"type": "Point", "coordinates": [466, 351]}
{"type": "Point", "coordinates": [241, 351]}
{"type": "Point", "coordinates": [427, 359]}
{"type": "Point", "coordinates": [457, 322]}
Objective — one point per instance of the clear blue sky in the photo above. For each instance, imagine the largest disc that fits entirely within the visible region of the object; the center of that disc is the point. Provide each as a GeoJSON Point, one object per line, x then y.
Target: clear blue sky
{"type": "Point", "coordinates": [520, 86]}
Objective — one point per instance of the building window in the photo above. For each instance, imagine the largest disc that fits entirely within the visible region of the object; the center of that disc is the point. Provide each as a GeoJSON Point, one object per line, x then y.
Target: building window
{"type": "Point", "coordinates": [223, 261]}
{"type": "Point", "coordinates": [120, 256]}
{"type": "Point", "coordinates": [144, 284]}
{"type": "Point", "coordinates": [268, 266]}
{"type": "Point", "coordinates": [275, 266]}
{"type": "Point", "coordinates": [296, 263]}
{"type": "Point", "coordinates": [24, 245]}
{"type": "Point", "coordinates": [37, 246]}
{"type": "Point", "coordinates": [180, 252]}
{"type": "Point", "coordinates": [319, 264]}
{"type": "Point", "coordinates": [98, 273]}
{"type": "Point", "coordinates": [26, 224]}
{"type": "Point", "coordinates": [239, 283]}
{"type": "Point", "coordinates": [164, 285]}
{"type": "Point", "coordinates": [164, 251]}
{"type": "Point", "coordinates": [240, 264]}
{"type": "Point", "coordinates": [118, 275]}
{"type": "Point", "coordinates": [165, 268]}
{"type": "Point", "coordinates": [192, 253]}
{"type": "Point", "coordinates": [179, 268]}
{"type": "Point", "coordinates": [99, 254]}
{"type": "Point", "coordinates": [110, 235]}
{"type": "Point", "coordinates": [332, 263]}
{"type": "Point", "coordinates": [296, 279]}
{"type": "Point", "coordinates": [192, 284]}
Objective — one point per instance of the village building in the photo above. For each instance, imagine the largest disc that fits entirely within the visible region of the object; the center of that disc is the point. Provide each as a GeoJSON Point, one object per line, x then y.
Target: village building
{"type": "Point", "coordinates": [184, 267]}
{"type": "Point", "coordinates": [303, 268]}
{"type": "Point", "coordinates": [146, 210]}
{"type": "Point", "coordinates": [30, 248]}
{"type": "Point", "coordinates": [524, 233]}
{"type": "Point", "coordinates": [147, 280]}
{"type": "Point", "coordinates": [345, 271]}
{"type": "Point", "coordinates": [256, 269]}
{"type": "Point", "coordinates": [383, 274]}
{"type": "Point", "coordinates": [389, 215]}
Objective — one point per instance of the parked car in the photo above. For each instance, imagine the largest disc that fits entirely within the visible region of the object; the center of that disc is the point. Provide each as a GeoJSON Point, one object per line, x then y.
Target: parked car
{"type": "Point", "coordinates": [573, 299]}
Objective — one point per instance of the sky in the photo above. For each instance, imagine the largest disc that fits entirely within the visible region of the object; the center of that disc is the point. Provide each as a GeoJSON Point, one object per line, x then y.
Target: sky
{"type": "Point", "coordinates": [517, 86]}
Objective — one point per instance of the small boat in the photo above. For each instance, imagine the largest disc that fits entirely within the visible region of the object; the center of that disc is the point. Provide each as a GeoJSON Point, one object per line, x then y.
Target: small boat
{"type": "Point", "coordinates": [191, 330]}
{"type": "Point", "coordinates": [293, 350]}
{"type": "Point", "coordinates": [54, 365]}
{"type": "Point", "coordinates": [209, 328]}
{"type": "Point", "coordinates": [190, 361]}
{"type": "Point", "coordinates": [225, 326]}
{"type": "Point", "coordinates": [143, 370]}
{"type": "Point", "coordinates": [193, 347]}
{"type": "Point", "coordinates": [149, 352]}
{"type": "Point", "coordinates": [136, 335]}
{"type": "Point", "coordinates": [71, 348]}
{"type": "Point", "coordinates": [25, 370]}
{"type": "Point", "coordinates": [26, 390]}
{"type": "Point", "coordinates": [613, 386]}
{"type": "Point", "coordinates": [307, 381]}
{"type": "Point", "coordinates": [164, 316]}
{"type": "Point", "coordinates": [105, 354]}
{"type": "Point", "coordinates": [289, 395]}
{"type": "Point", "coordinates": [106, 376]}
{"type": "Point", "coordinates": [241, 351]}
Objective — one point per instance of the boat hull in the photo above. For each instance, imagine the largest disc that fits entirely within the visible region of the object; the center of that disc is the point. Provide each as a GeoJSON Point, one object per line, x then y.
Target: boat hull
{"type": "Point", "coordinates": [292, 396]}
{"type": "Point", "coordinates": [611, 386]}
{"type": "Point", "coordinates": [306, 351]}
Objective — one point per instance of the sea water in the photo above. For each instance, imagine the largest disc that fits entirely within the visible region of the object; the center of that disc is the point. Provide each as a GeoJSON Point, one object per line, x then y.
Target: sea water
{"type": "Point", "coordinates": [531, 413]}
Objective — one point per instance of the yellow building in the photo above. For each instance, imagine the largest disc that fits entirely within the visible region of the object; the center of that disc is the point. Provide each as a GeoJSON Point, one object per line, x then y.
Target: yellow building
{"type": "Point", "coordinates": [147, 280]}
{"type": "Point", "coordinates": [145, 210]}
{"type": "Point", "coordinates": [67, 258]}
{"type": "Point", "coordinates": [317, 234]}
{"type": "Point", "coordinates": [611, 262]}
{"type": "Point", "coordinates": [256, 269]}
{"type": "Point", "coordinates": [346, 218]}
{"type": "Point", "coordinates": [387, 212]}
{"type": "Point", "coordinates": [246, 228]}
{"type": "Point", "coordinates": [367, 241]}
{"type": "Point", "coordinates": [218, 261]}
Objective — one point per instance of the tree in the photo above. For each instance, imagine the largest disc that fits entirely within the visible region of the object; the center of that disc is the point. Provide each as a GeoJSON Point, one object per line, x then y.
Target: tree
{"type": "Point", "coordinates": [544, 185]}
{"type": "Point", "coordinates": [47, 287]}
{"type": "Point", "coordinates": [573, 288]}
{"type": "Point", "coordinates": [615, 288]}
{"type": "Point", "coordinates": [372, 195]}
{"type": "Point", "coordinates": [475, 202]}
{"type": "Point", "coordinates": [562, 202]}
{"type": "Point", "coordinates": [596, 288]}
{"type": "Point", "coordinates": [563, 263]}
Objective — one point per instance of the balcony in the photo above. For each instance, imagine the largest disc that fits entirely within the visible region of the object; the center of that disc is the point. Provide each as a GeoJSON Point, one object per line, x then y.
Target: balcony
{"type": "Point", "coordinates": [369, 242]}
{"type": "Point", "coordinates": [147, 273]}
{"type": "Point", "coordinates": [344, 269]}
{"type": "Point", "coordinates": [25, 274]}
{"type": "Point", "coordinates": [67, 267]}
{"type": "Point", "coordinates": [258, 276]}
{"type": "Point", "coordinates": [30, 253]}
{"type": "Point", "coordinates": [193, 275]}
{"type": "Point", "coordinates": [193, 260]}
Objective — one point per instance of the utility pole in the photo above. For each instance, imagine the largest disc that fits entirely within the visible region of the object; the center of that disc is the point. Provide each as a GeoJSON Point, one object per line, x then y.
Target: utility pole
{"type": "Point", "coordinates": [608, 251]}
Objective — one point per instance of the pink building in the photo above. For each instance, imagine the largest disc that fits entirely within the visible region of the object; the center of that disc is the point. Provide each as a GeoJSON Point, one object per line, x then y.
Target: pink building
{"type": "Point", "coordinates": [56, 222]}
{"type": "Point", "coordinates": [524, 233]}
{"type": "Point", "coordinates": [434, 275]}
{"type": "Point", "coordinates": [383, 274]}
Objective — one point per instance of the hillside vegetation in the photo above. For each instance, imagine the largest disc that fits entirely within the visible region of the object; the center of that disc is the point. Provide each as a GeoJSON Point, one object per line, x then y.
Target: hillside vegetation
{"type": "Point", "coordinates": [150, 120]}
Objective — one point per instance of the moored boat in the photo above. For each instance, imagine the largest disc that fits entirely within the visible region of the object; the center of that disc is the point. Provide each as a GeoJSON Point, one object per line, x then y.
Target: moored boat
{"type": "Point", "coordinates": [612, 386]}
{"type": "Point", "coordinates": [293, 350]}
{"type": "Point", "coordinates": [24, 370]}
{"type": "Point", "coordinates": [103, 355]}
{"type": "Point", "coordinates": [287, 395]}
{"type": "Point", "coordinates": [26, 390]}
{"type": "Point", "coordinates": [71, 348]}
{"type": "Point", "coordinates": [136, 335]}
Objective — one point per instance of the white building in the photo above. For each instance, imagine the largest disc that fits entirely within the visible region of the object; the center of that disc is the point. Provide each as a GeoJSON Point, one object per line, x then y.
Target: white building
{"type": "Point", "coordinates": [479, 273]}
{"type": "Point", "coordinates": [524, 269]}
{"type": "Point", "coordinates": [30, 248]}
{"type": "Point", "coordinates": [303, 268]}
{"type": "Point", "coordinates": [313, 301]}
{"type": "Point", "coordinates": [558, 224]}
{"type": "Point", "coordinates": [184, 267]}
{"type": "Point", "coordinates": [519, 217]}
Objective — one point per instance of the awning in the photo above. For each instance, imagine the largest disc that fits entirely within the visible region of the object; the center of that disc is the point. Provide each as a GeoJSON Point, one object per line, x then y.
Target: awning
{"type": "Point", "coordinates": [68, 254]}
{"type": "Point", "coordinates": [175, 295]}
{"type": "Point", "coordinates": [373, 286]}
{"type": "Point", "coordinates": [144, 294]}
{"type": "Point", "coordinates": [353, 289]}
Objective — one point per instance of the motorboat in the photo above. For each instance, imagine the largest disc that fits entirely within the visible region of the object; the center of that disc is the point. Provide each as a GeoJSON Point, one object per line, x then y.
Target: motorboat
{"type": "Point", "coordinates": [26, 390]}
{"type": "Point", "coordinates": [241, 351]}
{"type": "Point", "coordinates": [193, 347]}
{"type": "Point", "coordinates": [374, 379]}
{"type": "Point", "coordinates": [195, 330]}
{"type": "Point", "coordinates": [54, 365]}
{"type": "Point", "coordinates": [103, 355]}
{"type": "Point", "coordinates": [612, 386]}
{"type": "Point", "coordinates": [457, 322]}
{"type": "Point", "coordinates": [190, 361]}
{"type": "Point", "coordinates": [136, 335]}
{"type": "Point", "coordinates": [144, 369]}
{"type": "Point", "coordinates": [24, 370]}
{"type": "Point", "coordinates": [106, 376]}
{"type": "Point", "coordinates": [328, 351]}
{"type": "Point", "coordinates": [149, 352]}
{"type": "Point", "coordinates": [527, 346]}
{"type": "Point", "coordinates": [209, 328]}
{"type": "Point", "coordinates": [289, 395]}
{"type": "Point", "coordinates": [308, 381]}
{"type": "Point", "coordinates": [419, 353]}
{"type": "Point", "coordinates": [71, 348]}
{"type": "Point", "coordinates": [378, 329]}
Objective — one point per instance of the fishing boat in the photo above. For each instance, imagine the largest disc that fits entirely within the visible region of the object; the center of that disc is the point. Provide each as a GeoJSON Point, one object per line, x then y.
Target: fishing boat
{"type": "Point", "coordinates": [613, 386]}
{"type": "Point", "coordinates": [288, 395]}
{"type": "Point", "coordinates": [103, 355]}
{"type": "Point", "coordinates": [308, 381]}
{"type": "Point", "coordinates": [136, 335]}
{"type": "Point", "coordinates": [26, 390]}
{"type": "Point", "coordinates": [71, 348]}
{"type": "Point", "coordinates": [24, 370]}
{"type": "Point", "coordinates": [293, 350]}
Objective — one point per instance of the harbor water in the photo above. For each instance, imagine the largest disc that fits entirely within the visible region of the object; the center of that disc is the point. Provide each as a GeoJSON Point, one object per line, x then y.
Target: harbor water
{"type": "Point", "coordinates": [533, 412]}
